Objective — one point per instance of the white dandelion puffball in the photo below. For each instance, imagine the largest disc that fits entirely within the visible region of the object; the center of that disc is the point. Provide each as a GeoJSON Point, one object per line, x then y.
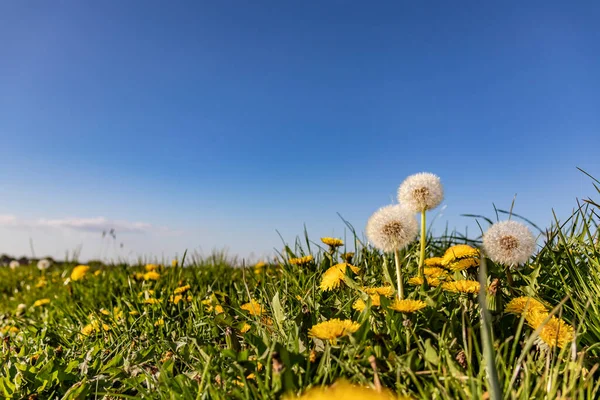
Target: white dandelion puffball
{"type": "Point", "coordinates": [509, 243]}
{"type": "Point", "coordinates": [14, 264]}
{"type": "Point", "coordinates": [422, 191]}
{"type": "Point", "coordinates": [43, 264]}
{"type": "Point", "coordinates": [392, 228]}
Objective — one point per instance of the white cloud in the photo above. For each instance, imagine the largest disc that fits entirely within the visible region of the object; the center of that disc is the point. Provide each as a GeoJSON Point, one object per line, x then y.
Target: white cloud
{"type": "Point", "coordinates": [94, 224]}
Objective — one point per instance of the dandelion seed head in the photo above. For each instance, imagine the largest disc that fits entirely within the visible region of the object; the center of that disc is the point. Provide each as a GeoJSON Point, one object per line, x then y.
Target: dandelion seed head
{"type": "Point", "coordinates": [422, 191]}
{"type": "Point", "coordinates": [43, 264]}
{"type": "Point", "coordinates": [391, 228]}
{"type": "Point", "coordinates": [509, 243]}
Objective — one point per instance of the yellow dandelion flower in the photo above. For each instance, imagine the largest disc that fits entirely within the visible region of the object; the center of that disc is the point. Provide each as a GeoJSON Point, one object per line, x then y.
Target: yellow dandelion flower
{"type": "Point", "coordinates": [104, 312]}
{"type": "Point", "coordinates": [332, 278]}
{"type": "Point", "coordinates": [106, 327]}
{"type": "Point", "coordinates": [182, 289]}
{"type": "Point", "coordinates": [346, 391]}
{"type": "Point", "coordinates": [253, 307]}
{"type": "Point", "coordinates": [87, 330]}
{"type": "Point", "coordinates": [434, 272]}
{"type": "Point", "coordinates": [151, 276]}
{"type": "Point", "coordinates": [313, 356]}
{"type": "Point", "coordinates": [151, 267]}
{"type": "Point", "coordinates": [301, 260]}
{"type": "Point", "coordinates": [463, 264]}
{"type": "Point", "coordinates": [79, 272]}
{"type": "Point", "coordinates": [407, 306]}
{"type": "Point", "coordinates": [175, 299]}
{"type": "Point", "coordinates": [96, 273]}
{"type": "Point", "coordinates": [152, 301]}
{"type": "Point", "coordinates": [555, 332]}
{"type": "Point", "coordinates": [434, 262]}
{"type": "Point", "coordinates": [462, 286]}
{"type": "Point", "coordinates": [386, 291]}
{"type": "Point", "coordinates": [360, 305]}
{"type": "Point", "coordinates": [459, 252]}
{"type": "Point", "coordinates": [138, 276]}
{"type": "Point", "coordinates": [245, 328]}
{"type": "Point", "coordinates": [333, 329]}
{"type": "Point", "coordinates": [417, 281]}
{"type": "Point", "coordinates": [347, 257]}
{"type": "Point", "coordinates": [117, 313]}
{"type": "Point", "coordinates": [174, 263]}
{"type": "Point", "coordinates": [260, 267]}
{"type": "Point", "coordinates": [521, 304]}
{"type": "Point", "coordinates": [134, 312]}
{"type": "Point", "coordinates": [41, 302]}
{"type": "Point", "coordinates": [41, 283]}
{"type": "Point", "coordinates": [219, 309]}
{"type": "Point", "coordinates": [159, 322]}
{"type": "Point", "coordinates": [332, 242]}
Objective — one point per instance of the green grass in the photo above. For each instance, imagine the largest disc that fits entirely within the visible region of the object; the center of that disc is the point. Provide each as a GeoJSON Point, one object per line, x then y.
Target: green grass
{"type": "Point", "coordinates": [437, 353]}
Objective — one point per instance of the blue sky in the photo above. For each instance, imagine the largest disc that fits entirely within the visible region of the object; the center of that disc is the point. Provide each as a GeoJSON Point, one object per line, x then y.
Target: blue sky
{"type": "Point", "coordinates": [205, 125]}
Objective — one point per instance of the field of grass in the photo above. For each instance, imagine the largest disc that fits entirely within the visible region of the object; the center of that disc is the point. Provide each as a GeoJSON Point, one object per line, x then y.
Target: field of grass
{"type": "Point", "coordinates": [207, 329]}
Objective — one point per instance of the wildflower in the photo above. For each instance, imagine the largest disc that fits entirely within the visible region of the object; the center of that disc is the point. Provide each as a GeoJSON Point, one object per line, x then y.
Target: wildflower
{"type": "Point", "coordinates": [134, 313]}
{"type": "Point", "coordinates": [152, 301]}
{"type": "Point", "coordinates": [301, 260]}
{"type": "Point", "coordinates": [245, 328]}
{"type": "Point", "coordinates": [182, 289]}
{"type": "Point", "coordinates": [459, 252]}
{"type": "Point", "coordinates": [175, 299]}
{"type": "Point", "coordinates": [387, 290]}
{"type": "Point", "coordinates": [346, 391]}
{"type": "Point", "coordinates": [434, 272]}
{"type": "Point", "coordinates": [253, 307]}
{"type": "Point", "coordinates": [334, 276]}
{"type": "Point", "coordinates": [44, 264]}
{"type": "Point", "coordinates": [407, 306]}
{"type": "Point", "coordinates": [360, 305]}
{"type": "Point", "coordinates": [555, 332]}
{"type": "Point", "coordinates": [104, 312]}
{"type": "Point", "coordinates": [14, 264]}
{"type": "Point", "coordinates": [332, 242]}
{"type": "Point", "coordinates": [146, 293]}
{"type": "Point", "coordinates": [420, 192]}
{"type": "Point", "coordinates": [41, 302]}
{"type": "Point", "coordinates": [418, 281]}
{"type": "Point", "coordinates": [347, 257]}
{"type": "Point", "coordinates": [87, 330]}
{"type": "Point", "coordinates": [151, 276]}
{"type": "Point", "coordinates": [159, 322]}
{"type": "Point", "coordinates": [151, 267]}
{"type": "Point", "coordinates": [79, 272]}
{"type": "Point", "coordinates": [41, 283]}
{"type": "Point", "coordinates": [519, 305]}
{"type": "Point", "coordinates": [391, 228]}
{"type": "Point", "coordinates": [219, 309]}
{"type": "Point", "coordinates": [433, 262]}
{"type": "Point", "coordinates": [98, 272]}
{"type": "Point", "coordinates": [333, 329]}
{"type": "Point", "coordinates": [9, 330]}
{"type": "Point", "coordinates": [312, 356]}
{"type": "Point", "coordinates": [463, 264]}
{"type": "Point", "coordinates": [462, 286]}
{"type": "Point", "coordinates": [509, 243]}
{"type": "Point", "coordinates": [259, 267]}
{"type": "Point", "coordinates": [174, 263]}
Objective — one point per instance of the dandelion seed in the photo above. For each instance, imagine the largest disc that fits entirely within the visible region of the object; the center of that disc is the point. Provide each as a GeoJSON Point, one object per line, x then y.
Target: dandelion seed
{"type": "Point", "coordinates": [14, 264]}
{"type": "Point", "coordinates": [79, 272]}
{"type": "Point", "coordinates": [509, 243]}
{"type": "Point", "coordinates": [391, 228]}
{"type": "Point", "coordinates": [44, 264]}
{"type": "Point", "coordinates": [420, 192]}
{"type": "Point", "coordinates": [462, 286]}
{"type": "Point", "coordinates": [333, 329]}
{"type": "Point", "coordinates": [253, 307]}
{"type": "Point", "coordinates": [301, 260]}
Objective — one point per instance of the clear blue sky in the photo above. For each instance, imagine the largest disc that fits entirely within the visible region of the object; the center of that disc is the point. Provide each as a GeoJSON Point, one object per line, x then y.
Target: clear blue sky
{"type": "Point", "coordinates": [219, 122]}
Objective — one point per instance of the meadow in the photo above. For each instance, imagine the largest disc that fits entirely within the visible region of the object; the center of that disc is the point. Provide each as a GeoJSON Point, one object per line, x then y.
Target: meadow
{"type": "Point", "coordinates": [513, 313]}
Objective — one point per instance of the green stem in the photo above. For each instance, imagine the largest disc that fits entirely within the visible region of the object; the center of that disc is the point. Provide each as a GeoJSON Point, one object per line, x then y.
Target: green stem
{"type": "Point", "coordinates": [399, 274]}
{"type": "Point", "coordinates": [423, 243]}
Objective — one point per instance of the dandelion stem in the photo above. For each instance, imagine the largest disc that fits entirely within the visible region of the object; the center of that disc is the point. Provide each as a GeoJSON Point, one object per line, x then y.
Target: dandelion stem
{"type": "Point", "coordinates": [399, 274]}
{"type": "Point", "coordinates": [423, 242]}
